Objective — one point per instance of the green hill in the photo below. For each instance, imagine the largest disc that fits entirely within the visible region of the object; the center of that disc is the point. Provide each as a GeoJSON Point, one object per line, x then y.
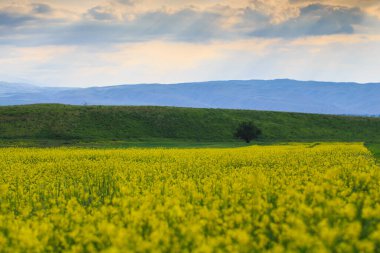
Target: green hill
{"type": "Point", "coordinates": [117, 123]}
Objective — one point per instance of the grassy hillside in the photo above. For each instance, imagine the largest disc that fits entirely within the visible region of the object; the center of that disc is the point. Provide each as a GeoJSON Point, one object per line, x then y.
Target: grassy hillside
{"type": "Point", "coordinates": [102, 123]}
{"type": "Point", "coordinates": [375, 149]}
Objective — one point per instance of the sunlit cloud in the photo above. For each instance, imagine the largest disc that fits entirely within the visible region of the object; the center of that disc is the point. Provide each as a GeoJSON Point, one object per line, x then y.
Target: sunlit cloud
{"type": "Point", "coordinates": [132, 41]}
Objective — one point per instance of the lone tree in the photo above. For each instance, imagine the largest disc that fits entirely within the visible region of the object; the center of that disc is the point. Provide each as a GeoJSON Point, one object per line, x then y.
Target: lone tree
{"type": "Point", "coordinates": [247, 131]}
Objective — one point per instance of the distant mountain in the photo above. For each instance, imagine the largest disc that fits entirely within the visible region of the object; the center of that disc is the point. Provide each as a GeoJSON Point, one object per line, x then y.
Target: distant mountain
{"type": "Point", "coordinates": [274, 95]}
{"type": "Point", "coordinates": [14, 88]}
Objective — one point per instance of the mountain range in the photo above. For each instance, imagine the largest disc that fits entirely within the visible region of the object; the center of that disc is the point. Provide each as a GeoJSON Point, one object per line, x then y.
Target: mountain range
{"type": "Point", "coordinates": [270, 95]}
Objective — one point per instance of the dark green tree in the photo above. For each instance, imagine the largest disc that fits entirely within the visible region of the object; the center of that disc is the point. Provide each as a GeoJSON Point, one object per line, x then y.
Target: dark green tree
{"type": "Point", "coordinates": [247, 131]}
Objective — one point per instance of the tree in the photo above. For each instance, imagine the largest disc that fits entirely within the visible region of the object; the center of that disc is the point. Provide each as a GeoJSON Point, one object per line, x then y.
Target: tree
{"type": "Point", "coordinates": [247, 131]}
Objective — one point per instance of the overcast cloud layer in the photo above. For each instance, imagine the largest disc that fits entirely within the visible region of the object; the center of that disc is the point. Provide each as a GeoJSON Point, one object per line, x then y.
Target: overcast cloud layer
{"type": "Point", "coordinates": [86, 43]}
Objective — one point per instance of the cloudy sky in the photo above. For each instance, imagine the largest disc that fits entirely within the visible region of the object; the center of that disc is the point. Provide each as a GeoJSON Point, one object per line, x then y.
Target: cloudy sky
{"type": "Point", "coordinates": [92, 43]}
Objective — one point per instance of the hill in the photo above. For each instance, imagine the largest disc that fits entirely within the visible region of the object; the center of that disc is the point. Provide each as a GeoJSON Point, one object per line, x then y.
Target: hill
{"type": "Point", "coordinates": [116, 123]}
{"type": "Point", "coordinates": [16, 88]}
{"type": "Point", "coordinates": [275, 95]}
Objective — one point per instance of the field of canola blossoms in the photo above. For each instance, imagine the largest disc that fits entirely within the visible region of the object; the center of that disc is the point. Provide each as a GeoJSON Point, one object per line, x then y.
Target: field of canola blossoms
{"type": "Point", "coordinates": [295, 198]}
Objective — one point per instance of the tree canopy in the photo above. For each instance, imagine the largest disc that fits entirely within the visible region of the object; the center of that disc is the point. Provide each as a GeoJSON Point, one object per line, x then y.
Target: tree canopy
{"type": "Point", "coordinates": [247, 131]}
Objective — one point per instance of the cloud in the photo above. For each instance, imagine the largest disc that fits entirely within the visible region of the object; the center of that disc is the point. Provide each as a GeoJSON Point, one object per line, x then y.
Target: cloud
{"type": "Point", "coordinates": [167, 62]}
{"type": "Point", "coordinates": [370, 7]}
{"type": "Point", "coordinates": [123, 41]}
{"type": "Point", "coordinates": [9, 19]}
{"type": "Point", "coordinates": [42, 8]}
{"type": "Point", "coordinates": [185, 25]}
{"type": "Point", "coordinates": [251, 20]}
{"type": "Point", "coordinates": [127, 2]}
{"type": "Point", "coordinates": [316, 20]}
{"type": "Point", "coordinates": [123, 21]}
{"type": "Point", "coordinates": [278, 10]}
{"type": "Point", "coordinates": [350, 3]}
{"type": "Point", "coordinates": [100, 13]}
{"type": "Point", "coordinates": [28, 15]}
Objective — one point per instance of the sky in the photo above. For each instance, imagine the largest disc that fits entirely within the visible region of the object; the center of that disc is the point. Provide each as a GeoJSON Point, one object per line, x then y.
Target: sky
{"type": "Point", "coordinates": [95, 43]}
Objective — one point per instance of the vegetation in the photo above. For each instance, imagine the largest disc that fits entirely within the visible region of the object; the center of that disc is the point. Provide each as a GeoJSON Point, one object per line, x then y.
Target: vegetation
{"type": "Point", "coordinates": [296, 198]}
{"type": "Point", "coordinates": [60, 124]}
{"type": "Point", "coordinates": [247, 131]}
{"type": "Point", "coordinates": [375, 149]}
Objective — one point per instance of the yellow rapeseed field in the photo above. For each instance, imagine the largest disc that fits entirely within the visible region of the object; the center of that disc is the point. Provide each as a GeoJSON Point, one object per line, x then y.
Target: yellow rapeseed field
{"type": "Point", "coordinates": [293, 198]}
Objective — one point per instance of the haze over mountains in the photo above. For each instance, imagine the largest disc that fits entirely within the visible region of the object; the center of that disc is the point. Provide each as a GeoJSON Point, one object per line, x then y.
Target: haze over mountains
{"type": "Point", "coordinates": [274, 95]}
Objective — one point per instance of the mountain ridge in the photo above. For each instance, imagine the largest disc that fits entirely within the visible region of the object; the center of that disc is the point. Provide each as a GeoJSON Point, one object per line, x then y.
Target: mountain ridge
{"type": "Point", "coordinates": [346, 98]}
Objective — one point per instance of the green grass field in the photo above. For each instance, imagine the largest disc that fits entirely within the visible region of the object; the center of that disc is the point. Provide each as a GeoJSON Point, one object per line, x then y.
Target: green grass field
{"type": "Point", "coordinates": [141, 143]}
{"type": "Point", "coordinates": [375, 149]}
{"type": "Point", "coordinates": [60, 125]}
